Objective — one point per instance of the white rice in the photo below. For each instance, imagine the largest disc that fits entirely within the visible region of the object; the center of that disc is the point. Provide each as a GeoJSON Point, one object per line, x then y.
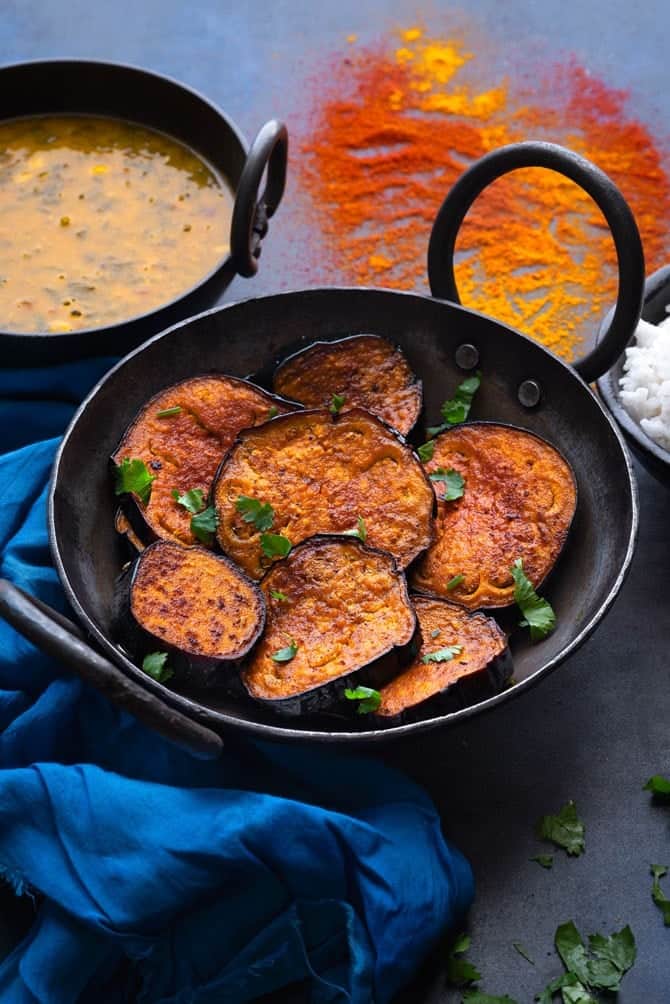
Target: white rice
{"type": "Point", "coordinates": [645, 385]}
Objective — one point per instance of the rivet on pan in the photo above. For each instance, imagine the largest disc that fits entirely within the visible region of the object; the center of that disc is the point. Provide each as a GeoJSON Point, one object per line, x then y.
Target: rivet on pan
{"type": "Point", "coordinates": [529, 393]}
{"type": "Point", "coordinates": [467, 356]}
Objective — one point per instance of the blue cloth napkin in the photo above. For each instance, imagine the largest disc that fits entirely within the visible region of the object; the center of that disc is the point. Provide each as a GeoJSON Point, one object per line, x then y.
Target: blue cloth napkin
{"type": "Point", "coordinates": [171, 878]}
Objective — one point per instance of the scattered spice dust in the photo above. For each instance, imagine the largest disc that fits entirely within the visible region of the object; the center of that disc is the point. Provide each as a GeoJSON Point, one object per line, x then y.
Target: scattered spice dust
{"type": "Point", "coordinates": [399, 123]}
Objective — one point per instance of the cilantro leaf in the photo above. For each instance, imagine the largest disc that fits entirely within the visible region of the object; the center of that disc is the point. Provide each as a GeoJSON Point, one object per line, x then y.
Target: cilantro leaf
{"type": "Point", "coordinates": [570, 947]}
{"type": "Point", "coordinates": [565, 829]}
{"type": "Point", "coordinates": [369, 699]}
{"type": "Point", "coordinates": [456, 409]}
{"type": "Point", "coordinates": [273, 411]}
{"type": "Point", "coordinates": [285, 654]}
{"type": "Point", "coordinates": [657, 894]}
{"type": "Point", "coordinates": [567, 980]}
{"type": "Point", "coordinates": [336, 403]}
{"type": "Point", "coordinates": [204, 524]}
{"type": "Point", "coordinates": [359, 531]}
{"type": "Point", "coordinates": [659, 786]}
{"type": "Point", "coordinates": [275, 545]}
{"type": "Point", "coordinates": [459, 970]}
{"type": "Point", "coordinates": [154, 666]}
{"type": "Point", "coordinates": [545, 860]}
{"type": "Point", "coordinates": [609, 961]}
{"type": "Point", "coordinates": [192, 500]}
{"type": "Point", "coordinates": [169, 412]}
{"type": "Point", "coordinates": [252, 511]}
{"type": "Point", "coordinates": [612, 958]}
{"type": "Point", "coordinates": [426, 451]}
{"type": "Point", "coordinates": [277, 594]}
{"type": "Point", "coordinates": [518, 947]}
{"type": "Point", "coordinates": [538, 614]}
{"type": "Point", "coordinates": [443, 654]}
{"type": "Point", "coordinates": [132, 477]}
{"type": "Point", "coordinates": [477, 997]}
{"type": "Point", "coordinates": [453, 483]}
{"type": "Point", "coordinates": [456, 581]}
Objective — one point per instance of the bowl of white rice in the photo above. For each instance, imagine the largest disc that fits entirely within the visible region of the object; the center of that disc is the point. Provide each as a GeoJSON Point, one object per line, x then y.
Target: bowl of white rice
{"type": "Point", "coordinates": [637, 388]}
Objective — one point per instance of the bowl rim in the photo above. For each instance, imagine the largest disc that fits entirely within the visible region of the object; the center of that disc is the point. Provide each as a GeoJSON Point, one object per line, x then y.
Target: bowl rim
{"type": "Point", "coordinates": [222, 263]}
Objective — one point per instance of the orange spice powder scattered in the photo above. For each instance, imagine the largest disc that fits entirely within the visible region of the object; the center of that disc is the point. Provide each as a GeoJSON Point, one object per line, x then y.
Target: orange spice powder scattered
{"type": "Point", "coordinates": [398, 125]}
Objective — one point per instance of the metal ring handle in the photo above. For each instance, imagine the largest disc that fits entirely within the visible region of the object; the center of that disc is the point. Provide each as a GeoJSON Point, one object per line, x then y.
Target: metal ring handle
{"type": "Point", "coordinates": [61, 639]}
{"type": "Point", "coordinates": [251, 213]}
{"type": "Point", "coordinates": [604, 193]}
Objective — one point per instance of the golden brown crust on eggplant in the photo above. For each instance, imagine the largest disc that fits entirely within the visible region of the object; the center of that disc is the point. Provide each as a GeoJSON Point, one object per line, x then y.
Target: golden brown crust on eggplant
{"type": "Point", "coordinates": [346, 608]}
{"type": "Point", "coordinates": [366, 370]}
{"type": "Point", "coordinates": [482, 642]}
{"type": "Point", "coordinates": [183, 450]}
{"type": "Point", "coordinates": [519, 499]}
{"type": "Point", "coordinates": [196, 602]}
{"type": "Point", "coordinates": [320, 473]}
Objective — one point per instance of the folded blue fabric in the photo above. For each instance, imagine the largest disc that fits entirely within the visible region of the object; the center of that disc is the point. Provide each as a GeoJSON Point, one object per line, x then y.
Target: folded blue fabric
{"type": "Point", "coordinates": [169, 878]}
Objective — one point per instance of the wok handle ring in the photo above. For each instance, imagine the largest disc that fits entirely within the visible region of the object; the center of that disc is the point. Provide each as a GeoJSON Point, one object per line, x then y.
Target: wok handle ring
{"type": "Point", "coordinates": [251, 212]}
{"type": "Point", "coordinates": [605, 194]}
{"type": "Point", "coordinates": [61, 639]}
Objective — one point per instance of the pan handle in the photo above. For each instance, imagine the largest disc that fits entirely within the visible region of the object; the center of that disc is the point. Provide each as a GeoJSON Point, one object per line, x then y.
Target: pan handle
{"type": "Point", "coordinates": [604, 193]}
{"type": "Point", "coordinates": [251, 213]}
{"type": "Point", "coordinates": [61, 639]}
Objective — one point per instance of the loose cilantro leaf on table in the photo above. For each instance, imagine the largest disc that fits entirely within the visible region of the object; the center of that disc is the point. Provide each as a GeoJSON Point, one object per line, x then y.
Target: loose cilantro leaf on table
{"type": "Point", "coordinates": [459, 970]}
{"type": "Point", "coordinates": [358, 531]}
{"type": "Point", "coordinates": [132, 477]}
{"type": "Point", "coordinates": [477, 997]}
{"type": "Point", "coordinates": [154, 665]}
{"type": "Point", "coordinates": [426, 451]}
{"type": "Point", "coordinates": [192, 500]}
{"type": "Point", "coordinates": [657, 894]}
{"type": "Point", "coordinates": [538, 614]}
{"type": "Point", "coordinates": [545, 860]}
{"type": "Point", "coordinates": [275, 545]}
{"type": "Point", "coordinates": [369, 699]}
{"type": "Point", "coordinates": [169, 412]}
{"type": "Point", "coordinates": [456, 409]}
{"type": "Point", "coordinates": [285, 654]}
{"type": "Point", "coordinates": [204, 524]}
{"type": "Point", "coordinates": [518, 947]}
{"type": "Point", "coordinates": [565, 829]}
{"type": "Point", "coordinates": [453, 483]}
{"type": "Point", "coordinates": [336, 403]}
{"type": "Point", "coordinates": [443, 654]}
{"type": "Point", "coordinates": [601, 968]}
{"type": "Point", "coordinates": [261, 514]}
{"type": "Point", "coordinates": [456, 581]}
{"type": "Point", "coordinates": [659, 786]}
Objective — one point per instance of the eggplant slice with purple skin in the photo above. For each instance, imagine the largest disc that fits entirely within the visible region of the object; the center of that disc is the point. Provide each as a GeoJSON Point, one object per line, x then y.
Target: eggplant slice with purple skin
{"type": "Point", "coordinates": [339, 616]}
{"type": "Point", "coordinates": [464, 658]}
{"type": "Point", "coordinates": [367, 371]}
{"type": "Point", "coordinates": [323, 473]}
{"type": "Point", "coordinates": [180, 435]}
{"type": "Point", "coordinates": [196, 606]}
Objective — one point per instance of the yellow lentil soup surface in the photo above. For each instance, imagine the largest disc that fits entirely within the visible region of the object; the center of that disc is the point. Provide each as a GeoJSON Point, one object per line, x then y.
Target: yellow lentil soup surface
{"type": "Point", "coordinates": [101, 220]}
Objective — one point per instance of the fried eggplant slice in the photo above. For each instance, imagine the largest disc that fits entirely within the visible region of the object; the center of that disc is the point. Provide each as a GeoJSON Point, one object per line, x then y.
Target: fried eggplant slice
{"type": "Point", "coordinates": [339, 616]}
{"type": "Point", "coordinates": [323, 473]}
{"type": "Point", "coordinates": [181, 435]}
{"type": "Point", "coordinates": [196, 606]}
{"type": "Point", "coordinates": [519, 498]}
{"type": "Point", "coordinates": [441, 684]}
{"type": "Point", "coordinates": [366, 370]}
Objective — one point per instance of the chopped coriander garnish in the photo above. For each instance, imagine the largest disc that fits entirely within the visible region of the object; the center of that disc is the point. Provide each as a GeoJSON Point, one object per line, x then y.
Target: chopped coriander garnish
{"type": "Point", "coordinates": [336, 403]}
{"type": "Point", "coordinates": [602, 967]}
{"type": "Point", "coordinates": [169, 412]}
{"type": "Point", "coordinates": [565, 829]}
{"type": "Point", "coordinates": [456, 409]}
{"type": "Point", "coordinates": [192, 500]}
{"type": "Point", "coordinates": [273, 411]}
{"type": "Point", "coordinates": [459, 970]}
{"type": "Point", "coordinates": [435, 633]}
{"type": "Point", "coordinates": [659, 786]}
{"type": "Point", "coordinates": [369, 699]}
{"type": "Point", "coordinates": [538, 614]}
{"type": "Point", "coordinates": [285, 654]}
{"type": "Point", "coordinates": [453, 483]}
{"type": "Point", "coordinates": [275, 545]}
{"type": "Point", "coordinates": [477, 997]}
{"type": "Point", "coordinates": [132, 477]}
{"type": "Point", "coordinates": [359, 530]}
{"type": "Point", "coordinates": [426, 451]}
{"type": "Point", "coordinates": [518, 947]}
{"type": "Point", "coordinates": [456, 581]}
{"type": "Point", "coordinates": [261, 514]}
{"type": "Point", "coordinates": [443, 654]}
{"type": "Point", "coordinates": [204, 524]}
{"type": "Point", "coordinates": [154, 665]}
{"type": "Point", "coordinates": [545, 860]}
{"type": "Point", "coordinates": [657, 894]}
{"type": "Point", "coordinates": [277, 594]}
